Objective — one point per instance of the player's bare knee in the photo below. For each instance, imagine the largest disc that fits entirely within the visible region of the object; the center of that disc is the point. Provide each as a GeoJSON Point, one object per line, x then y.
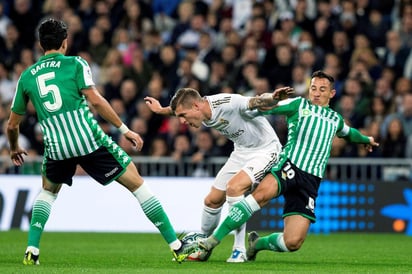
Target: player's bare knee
{"type": "Point", "coordinates": [236, 189]}
{"type": "Point", "coordinates": [262, 198]}
{"type": "Point", "coordinates": [294, 243]}
{"type": "Point", "coordinates": [213, 203]}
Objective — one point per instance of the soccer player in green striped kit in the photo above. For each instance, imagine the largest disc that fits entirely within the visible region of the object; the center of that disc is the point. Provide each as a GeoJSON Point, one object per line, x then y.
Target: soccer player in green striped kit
{"type": "Point", "coordinates": [60, 88]}
{"type": "Point", "coordinates": [312, 125]}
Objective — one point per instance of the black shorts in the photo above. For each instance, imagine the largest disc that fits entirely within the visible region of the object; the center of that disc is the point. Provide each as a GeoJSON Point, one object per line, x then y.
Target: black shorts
{"type": "Point", "coordinates": [102, 165]}
{"type": "Point", "coordinates": [299, 189]}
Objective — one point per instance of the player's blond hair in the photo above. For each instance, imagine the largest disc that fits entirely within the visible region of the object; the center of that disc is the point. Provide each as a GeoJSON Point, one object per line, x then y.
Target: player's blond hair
{"type": "Point", "coordinates": [184, 97]}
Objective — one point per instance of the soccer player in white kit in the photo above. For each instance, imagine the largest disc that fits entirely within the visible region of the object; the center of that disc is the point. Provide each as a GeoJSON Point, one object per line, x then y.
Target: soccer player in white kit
{"type": "Point", "coordinates": [256, 148]}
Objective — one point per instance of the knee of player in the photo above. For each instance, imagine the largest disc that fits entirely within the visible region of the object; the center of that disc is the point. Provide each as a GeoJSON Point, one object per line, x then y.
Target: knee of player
{"type": "Point", "coordinates": [293, 243]}
{"type": "Point", "coordinates": [234, 189]}
{"type": "Point", "coordinates": [214, 203]}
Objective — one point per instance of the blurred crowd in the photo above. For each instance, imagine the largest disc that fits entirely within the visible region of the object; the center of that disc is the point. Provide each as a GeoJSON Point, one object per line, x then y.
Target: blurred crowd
{"type": "Point", "coordinates": [139, 48]}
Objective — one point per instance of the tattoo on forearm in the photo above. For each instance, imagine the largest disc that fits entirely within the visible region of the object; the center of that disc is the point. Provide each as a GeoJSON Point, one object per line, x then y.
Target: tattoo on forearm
{"type": "Point", "coordinates": [265, 100]}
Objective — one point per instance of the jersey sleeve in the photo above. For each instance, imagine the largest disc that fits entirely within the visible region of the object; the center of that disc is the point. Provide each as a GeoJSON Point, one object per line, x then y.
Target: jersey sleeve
{"type": "Point", "coordinates": [20, 99]}
{"type": "Point", "coordinates": [286, 107]}
{"type": "Point", "coordinates": [84, 79]}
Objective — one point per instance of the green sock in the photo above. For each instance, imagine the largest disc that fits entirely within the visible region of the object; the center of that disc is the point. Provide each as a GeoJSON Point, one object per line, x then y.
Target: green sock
{"type": "Point", "coordinates": [272, 242]}
{"type": "Point", "coordinates": [239, 214]}
{"type": "Point", "coordinates": [40, 214]}
{"type": "Point", "coordinates": [155, 213]}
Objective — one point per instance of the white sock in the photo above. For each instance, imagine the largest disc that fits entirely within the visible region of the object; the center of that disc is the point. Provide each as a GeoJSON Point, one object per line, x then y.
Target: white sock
{"type": "Point", "coordinates": [143, 193]}
{"type": "Point", "coordinates": [281, 243]}
{"type": "Point", "coordinates": [175, 245]}
{"type": "Point", "coordinates": [240, 233]}
{"type": "Point", "coordinates": [210, 219]}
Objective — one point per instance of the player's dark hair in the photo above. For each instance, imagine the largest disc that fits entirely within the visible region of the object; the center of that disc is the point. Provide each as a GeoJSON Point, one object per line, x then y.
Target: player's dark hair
{"type": "Point", "coordinates": [185, 97]}
{"type": "Point", "coordinates": [322, 74]}
{"type": "Point", "coordinates": [52, 32]}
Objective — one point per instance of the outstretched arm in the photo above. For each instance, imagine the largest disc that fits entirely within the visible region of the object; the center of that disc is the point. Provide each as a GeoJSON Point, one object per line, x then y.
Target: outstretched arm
{"type": "Point", "coordinates": [355, 136]}
{"type": "Point", "coordinates": [269, 100]}
{"type": "Point", "coordinates": [107, 112]}
{"type": "Point", "coordinates": [155, 106]}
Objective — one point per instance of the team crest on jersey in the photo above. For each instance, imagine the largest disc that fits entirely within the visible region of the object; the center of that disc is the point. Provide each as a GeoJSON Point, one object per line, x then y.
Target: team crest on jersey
{"type": "Point", "coordinates": [305, 112]}
{"type": "Point", "coordinates": [223, 121]}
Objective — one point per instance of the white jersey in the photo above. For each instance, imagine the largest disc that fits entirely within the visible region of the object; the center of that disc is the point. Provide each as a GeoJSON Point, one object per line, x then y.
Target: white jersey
{"type": "Point", "coordinates": [232, 117]}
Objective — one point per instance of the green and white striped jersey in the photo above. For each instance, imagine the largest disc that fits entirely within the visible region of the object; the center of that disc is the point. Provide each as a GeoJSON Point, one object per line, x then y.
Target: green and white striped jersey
{"type": "Point", "coordinates": [311, 130]}
{"type": "Point", "coordinates": [54, 85]}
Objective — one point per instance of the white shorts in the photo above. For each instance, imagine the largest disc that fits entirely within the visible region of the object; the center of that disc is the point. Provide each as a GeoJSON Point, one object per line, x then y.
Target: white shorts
{"type": "Point", "coordinates": [255, 163]}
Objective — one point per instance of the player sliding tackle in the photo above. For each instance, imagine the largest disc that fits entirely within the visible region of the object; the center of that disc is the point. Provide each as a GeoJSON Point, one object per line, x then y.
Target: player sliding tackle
{"type": "Point", "coordinates": [312, 125]}
{"type": "Point", "coordinates": [256, 147]}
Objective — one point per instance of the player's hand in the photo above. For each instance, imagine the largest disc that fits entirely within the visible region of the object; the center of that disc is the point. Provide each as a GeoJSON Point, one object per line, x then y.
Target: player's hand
{"type": "Point", "coordinates": [135, 139]}
{"type": "Point", "coordinates": [282, 93]}
{"type": "Point", "coordinates": [372, 143]}
{"type": "Point", "coordinates": [17, 156]}
{"type": "Point", "coordinates": [153, 104]}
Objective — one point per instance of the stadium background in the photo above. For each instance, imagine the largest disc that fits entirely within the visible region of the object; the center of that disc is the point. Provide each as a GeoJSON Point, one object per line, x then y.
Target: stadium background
{"type": "Point", "coordinates": [139, 48]}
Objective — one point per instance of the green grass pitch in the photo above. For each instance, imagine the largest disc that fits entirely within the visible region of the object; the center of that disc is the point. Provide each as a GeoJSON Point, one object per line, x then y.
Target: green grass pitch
{"type": "Point", "coordinates": [148, 253]}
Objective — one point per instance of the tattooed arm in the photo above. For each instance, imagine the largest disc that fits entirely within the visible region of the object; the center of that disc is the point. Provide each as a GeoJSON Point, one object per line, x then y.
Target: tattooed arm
{"type": "Point", "coordinates": [269, 100]}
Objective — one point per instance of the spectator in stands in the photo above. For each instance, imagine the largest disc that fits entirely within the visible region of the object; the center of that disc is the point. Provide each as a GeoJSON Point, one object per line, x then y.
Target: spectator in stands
{"type": "Point", "coordinates": [289, 28]}
{"type": "Point", "coordinates": [158, 148]}
{"type": "Point", "coordinates": [205, 148]}
{"type": "Point", "coordinates": [405, 28]}
{"type": "Point", "coordinates": [394, 142]}
{"type": "Point", "coordinates": [185, 12]}
{"type": "Point", "coordinates": [112, 58]}
{"type": "Point", "coordinates": [181, 147]}
{"type": "Point", "coordinates": [169, 67]}
{"type": "Point", "coordinates": [135, 20]}
{"type": "Point", "coordinates": [394, 55]}
{"type": "Point", "coordinates": [129, 94]}
{"type": "Point", "coordinates": [384, 89]}
{"type": "Point", "coordinates": [97, 46]}
{"type": "Point", "coordinates": [217, 77]}
{"type": "Point", "coordinates": [282, 65]}
{"type": "Point", "coordinates": [341, 46]}
{"type": "Point", "coordinates": [140, 71]}
{"type": "Point", "coordinates": [25, 15]}
{"type": "Point", "coordinates": [402, 86]}
{"type": "Point", "coordinates": [404, 115]}
{"type": "Point", "coordinates": [77, 34]}
{"type": "Point", "coordinates": [378, 111]}
{"type": "Point", "coordinates": [4, 21]}
{"type": "Point", "coordinates": [6, 85]}
{"type": "Point", "coordinates": [300, 81]}
{"type": "Point", "coordinates": [112, 88]}
{"type": "Point", "coordinates": [374, 27]}
{"type": "Point", "coordinates": [10, 47]}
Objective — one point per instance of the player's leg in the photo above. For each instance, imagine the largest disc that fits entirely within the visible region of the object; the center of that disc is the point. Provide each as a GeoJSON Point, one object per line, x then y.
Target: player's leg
{"type": "Point", "coordinates": [236, 188]}
{"type": "Point", "coordinates": [212, 210]}
{"type": "Point", "coordinates": [110, 163]}
{"type": "Point", "coordinates": [241, 212]}
{"type": "Point", "coordinates": [300, 191]}
{"type": "Point", "coordinates": [150, 204]}
{"type": "Point", "coordinates": [291, 239]}
{"type": "Point", "coordinates": [57, 171]}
